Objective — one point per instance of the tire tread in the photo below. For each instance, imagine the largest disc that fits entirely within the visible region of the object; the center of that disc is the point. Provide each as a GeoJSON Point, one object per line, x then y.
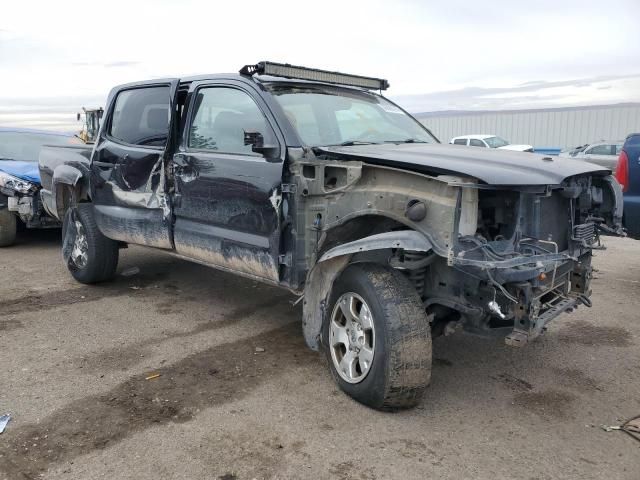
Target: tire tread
{"type": "Point", "coordinates": [407, 339]}
{"type": "Point", "coordinates": [103, 261]}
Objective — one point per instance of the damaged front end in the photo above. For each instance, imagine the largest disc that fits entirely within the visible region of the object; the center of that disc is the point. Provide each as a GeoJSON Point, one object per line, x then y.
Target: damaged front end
{"type": "Point", "coordinates": [22, 199]}
{"type": "Point", "coordinates": [522, 256]}
{"type": "Point", "coordinates": [492, 259]}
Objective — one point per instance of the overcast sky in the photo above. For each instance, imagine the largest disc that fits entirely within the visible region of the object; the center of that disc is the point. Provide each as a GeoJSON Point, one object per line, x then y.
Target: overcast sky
{"type": "Point", "coordinates": [57, 56]}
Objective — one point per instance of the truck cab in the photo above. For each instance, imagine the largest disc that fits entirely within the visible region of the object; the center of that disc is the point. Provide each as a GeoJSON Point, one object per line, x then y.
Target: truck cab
{"type": "Point", "coordinates": [313, 181]}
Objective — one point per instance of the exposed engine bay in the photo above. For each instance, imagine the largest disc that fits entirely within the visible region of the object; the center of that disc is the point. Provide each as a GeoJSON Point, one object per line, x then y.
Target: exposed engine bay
{"type": "Point", "coordinates": [500, 260]}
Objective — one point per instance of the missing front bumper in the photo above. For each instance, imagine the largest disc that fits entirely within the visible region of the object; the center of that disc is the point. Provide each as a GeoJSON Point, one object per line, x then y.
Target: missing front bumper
{"type": "Point", "coordinates": [520, 337]}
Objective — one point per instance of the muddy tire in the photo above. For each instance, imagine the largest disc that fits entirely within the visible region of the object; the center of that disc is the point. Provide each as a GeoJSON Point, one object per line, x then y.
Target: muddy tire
{"type": "Point", "coordinates": [90, 256]}
{"type": "Point", "coordinates": [377, 337]}
{"type": "Point", "coordinates": [8, 227]}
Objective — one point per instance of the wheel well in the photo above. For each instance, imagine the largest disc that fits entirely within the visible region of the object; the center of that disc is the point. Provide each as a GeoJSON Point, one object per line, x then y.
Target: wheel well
{"type": "Point", "coordinates": [358, 228]}
{"type": "Point", "coordinates": [368, 225]}
{"type": "Point", "coordinates": [322, 275]}
{"type": "Point", "coordinates": [67, 196]}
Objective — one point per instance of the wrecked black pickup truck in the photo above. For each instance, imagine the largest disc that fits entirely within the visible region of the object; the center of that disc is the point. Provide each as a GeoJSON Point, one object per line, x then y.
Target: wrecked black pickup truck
{"type": "Point", "coordinates": [312, 181]}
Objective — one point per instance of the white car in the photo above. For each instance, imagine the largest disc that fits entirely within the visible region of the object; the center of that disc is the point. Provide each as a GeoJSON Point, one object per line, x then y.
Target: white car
{"type": "Point", "coordinates": [489, 141]}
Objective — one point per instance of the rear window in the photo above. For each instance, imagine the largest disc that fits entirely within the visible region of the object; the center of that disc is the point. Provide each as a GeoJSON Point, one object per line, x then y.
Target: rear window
{"type": "Point", "coordinates": [460, 141]}
{"type": "Point", "coordinates": [141, 116]}
{"type": "Point", "coordinates": [25, 146]}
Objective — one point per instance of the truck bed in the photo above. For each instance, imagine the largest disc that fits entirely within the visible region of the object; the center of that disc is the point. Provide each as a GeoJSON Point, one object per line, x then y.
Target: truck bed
{"type": "Point", "coordinates": [53, 156]}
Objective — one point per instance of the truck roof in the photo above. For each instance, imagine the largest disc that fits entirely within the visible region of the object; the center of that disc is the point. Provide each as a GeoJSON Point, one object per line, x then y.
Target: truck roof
{"type": "Point", "coordinates": [234, 76]}
{"type": "Point", "coordinates": [266, 71]}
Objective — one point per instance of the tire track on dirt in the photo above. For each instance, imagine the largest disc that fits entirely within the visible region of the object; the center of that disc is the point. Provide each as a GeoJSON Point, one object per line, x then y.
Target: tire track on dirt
{"type": "Point", "coordinates": [130, 354]}
{"type": "Point", "coordinates": [206, 379]}
{"type": "Point", "coordinates": [84, 294]}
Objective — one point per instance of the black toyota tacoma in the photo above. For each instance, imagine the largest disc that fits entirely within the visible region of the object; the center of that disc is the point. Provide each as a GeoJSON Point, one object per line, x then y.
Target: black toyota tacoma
{"type": "Point", "coordinates": [313, 181]}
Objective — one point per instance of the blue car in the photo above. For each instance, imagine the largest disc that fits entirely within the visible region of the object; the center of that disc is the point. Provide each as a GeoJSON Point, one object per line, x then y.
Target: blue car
{"type": "Point", "coordinates": [628, 175]}
{"type": "Point", "coordinates": [20, 179]}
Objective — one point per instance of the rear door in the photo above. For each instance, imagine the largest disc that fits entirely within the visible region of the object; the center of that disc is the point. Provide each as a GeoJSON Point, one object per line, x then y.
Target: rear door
{"type": "Point", "coordinates": [128, 168]}
{"type": "Point", "coordinates": [227, 197]}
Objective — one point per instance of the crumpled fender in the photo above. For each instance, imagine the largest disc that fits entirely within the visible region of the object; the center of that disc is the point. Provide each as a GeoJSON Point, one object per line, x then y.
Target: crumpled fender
{"type": "Point", "coordinates": [71, 176]}
{"type": "Point", "coordinates": [405, 239]}
{"type": "Point", "coordinates": [321, 277]}
{"type": "Point", "coordinates": [67, 174]}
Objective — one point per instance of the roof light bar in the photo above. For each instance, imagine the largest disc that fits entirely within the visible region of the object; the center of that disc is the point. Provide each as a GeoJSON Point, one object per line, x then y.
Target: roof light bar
{"type": "Point", "coordinates": [303, 73]}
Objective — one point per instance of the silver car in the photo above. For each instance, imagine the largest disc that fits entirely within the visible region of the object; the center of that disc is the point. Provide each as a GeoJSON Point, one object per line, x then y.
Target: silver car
{"type": "Point", "coordinates": [601, 153]}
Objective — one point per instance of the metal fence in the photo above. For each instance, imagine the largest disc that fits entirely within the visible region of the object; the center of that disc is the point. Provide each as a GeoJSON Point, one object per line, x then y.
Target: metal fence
{"type": "Point", "coordinates": [543, 128]}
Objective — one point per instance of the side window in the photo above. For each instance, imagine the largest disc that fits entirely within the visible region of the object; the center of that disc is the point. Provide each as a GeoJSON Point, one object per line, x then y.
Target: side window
{"type": "Point", "coordinates": [222, 116]}
{"type": "Point", "coordinates": [141, 116]}
{"type": "Point", "coordinates": [476, 143]}
{"type": "Point", "coordinates": [460, 141]}
{"type": "Point", "coordinates": [600, 150]}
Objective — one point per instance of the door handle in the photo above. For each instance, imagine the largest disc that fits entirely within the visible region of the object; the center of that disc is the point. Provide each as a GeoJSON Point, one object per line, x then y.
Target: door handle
{"type": "Point", "coordinates": [186, 174]}
{"type": "Point", "coordinates": [180, 160]}
{"type": "Point", "coordinates": [183, 168]}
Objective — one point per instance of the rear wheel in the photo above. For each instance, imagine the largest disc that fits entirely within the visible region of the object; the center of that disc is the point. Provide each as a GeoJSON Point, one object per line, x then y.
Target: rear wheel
{"type": "Point", "coordinates": [8, 226]}
{"type": "Point", "coordinates": [90, 256]}
{"type": "Point", "coordinates": [377, 337]}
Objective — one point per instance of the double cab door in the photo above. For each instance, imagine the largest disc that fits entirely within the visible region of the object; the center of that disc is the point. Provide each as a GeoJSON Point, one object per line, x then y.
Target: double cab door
{"type": "Point", "coordinates": [174, 171]}
{"type": "Point", "coordinates": [226, 203]}
{"type": "Point", "coordinates": [128, 165]}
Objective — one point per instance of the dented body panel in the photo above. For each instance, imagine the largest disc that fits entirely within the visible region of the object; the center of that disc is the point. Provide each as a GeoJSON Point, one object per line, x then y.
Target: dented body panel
{"type": "Point", "coordinates": [128, 182]}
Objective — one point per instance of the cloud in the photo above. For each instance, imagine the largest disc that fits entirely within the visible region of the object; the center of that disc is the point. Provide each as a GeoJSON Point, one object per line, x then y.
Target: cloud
{"type": "Point", "coordinates": [437, 55]}
{"type": "Point", "coordinates": [537, 93]}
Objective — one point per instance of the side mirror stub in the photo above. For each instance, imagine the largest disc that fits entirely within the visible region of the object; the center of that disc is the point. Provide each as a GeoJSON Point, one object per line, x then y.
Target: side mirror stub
{"type": "Point", "coordinates": [256, 140]}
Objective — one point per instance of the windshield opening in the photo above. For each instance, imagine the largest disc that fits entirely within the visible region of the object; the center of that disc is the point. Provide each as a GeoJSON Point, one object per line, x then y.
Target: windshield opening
{"type": "Point", "coordinates": [25, 146]}
{"type": "Point", "coordinates": [496, 142]}
{"type": "Point", "coordinates": [325, 116]}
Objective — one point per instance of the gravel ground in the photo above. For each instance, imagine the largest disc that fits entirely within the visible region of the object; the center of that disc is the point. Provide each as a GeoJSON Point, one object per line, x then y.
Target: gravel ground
{"type": "Point", "coordinates": [240, 396]}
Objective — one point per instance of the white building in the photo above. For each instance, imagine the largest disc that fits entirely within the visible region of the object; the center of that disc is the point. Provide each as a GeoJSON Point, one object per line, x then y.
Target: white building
{"type": "Point", "coordinates": [542, 128]}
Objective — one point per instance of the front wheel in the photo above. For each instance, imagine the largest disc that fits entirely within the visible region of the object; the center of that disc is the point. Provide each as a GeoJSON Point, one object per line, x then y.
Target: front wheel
{"type": "Point", "coordinates": [90, 256]}
{"type": "Point", "coordinates": [377, 337]}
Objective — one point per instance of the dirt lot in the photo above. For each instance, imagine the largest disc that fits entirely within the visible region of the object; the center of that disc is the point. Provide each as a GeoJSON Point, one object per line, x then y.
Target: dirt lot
{"type": "Point", "coordinates": [75, 359]}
